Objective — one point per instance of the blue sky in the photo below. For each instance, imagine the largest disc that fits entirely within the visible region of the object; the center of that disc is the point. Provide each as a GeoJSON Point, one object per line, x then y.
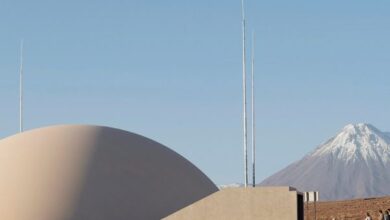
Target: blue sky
{"type": "Point", "coordinates": [171, 71]}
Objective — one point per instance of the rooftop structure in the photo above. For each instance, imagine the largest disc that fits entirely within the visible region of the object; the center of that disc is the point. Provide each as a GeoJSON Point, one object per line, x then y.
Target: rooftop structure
{"type": "Point", "coordinates": [246, 204]}
{"type": "Point", "coordinates": [75, 172]}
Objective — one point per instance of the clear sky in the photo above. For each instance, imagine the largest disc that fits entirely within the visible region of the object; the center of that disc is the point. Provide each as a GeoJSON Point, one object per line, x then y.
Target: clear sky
{"type": "Point", "coordinates": [171, 71]}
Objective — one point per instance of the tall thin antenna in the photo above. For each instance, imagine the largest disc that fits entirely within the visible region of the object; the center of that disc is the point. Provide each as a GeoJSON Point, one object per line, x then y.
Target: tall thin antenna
{"type": "Point", "coordinates": [253, 111]}
{"type": "Point", "coordinates": [21, 88]}
{"type": "Point", "coordinates": [244, 94]}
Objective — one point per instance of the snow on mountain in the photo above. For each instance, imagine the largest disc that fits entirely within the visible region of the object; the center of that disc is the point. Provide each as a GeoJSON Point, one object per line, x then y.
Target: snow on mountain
{"type": "Point", "coordinates": [354, 163]}
{"type": "Point", "coordinates": [356, 142]}
{"type": "Point", "coordinates": [232, 185]}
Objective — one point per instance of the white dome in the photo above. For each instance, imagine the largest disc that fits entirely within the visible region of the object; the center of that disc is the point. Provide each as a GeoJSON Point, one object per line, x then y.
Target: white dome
{"type": "Point", "coordinates": [93, 173]}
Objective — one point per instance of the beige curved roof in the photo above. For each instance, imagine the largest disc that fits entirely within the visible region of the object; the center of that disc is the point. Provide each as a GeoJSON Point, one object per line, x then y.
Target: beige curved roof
{"type": "Point", "coordinates": [93, 173]}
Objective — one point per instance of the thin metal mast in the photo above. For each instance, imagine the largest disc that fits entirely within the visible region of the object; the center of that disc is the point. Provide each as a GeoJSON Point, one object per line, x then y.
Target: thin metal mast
{"type": "Point", "coordinates": [244, 95]}
{"type": "Point", "coordinates": [253, 111]}
{"type": "Point", "coordinates": [21, 89]}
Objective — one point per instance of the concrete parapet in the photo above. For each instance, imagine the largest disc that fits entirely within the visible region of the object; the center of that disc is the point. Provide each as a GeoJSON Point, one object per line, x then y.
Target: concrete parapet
{"type": "Point", "coordinates": [246, 203]}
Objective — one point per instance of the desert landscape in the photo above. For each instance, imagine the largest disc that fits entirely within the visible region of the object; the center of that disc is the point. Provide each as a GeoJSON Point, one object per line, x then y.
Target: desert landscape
{"type": "Point", "coordinates": [347, 209]}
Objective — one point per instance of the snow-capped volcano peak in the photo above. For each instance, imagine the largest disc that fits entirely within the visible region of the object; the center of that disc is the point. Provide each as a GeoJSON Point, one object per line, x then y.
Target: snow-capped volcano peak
{"type": "Point", "coordinates": [359, 128]}
{"type": "Point", "coordinates": [355, 163]}
{"type": "Point", "coordinates": [356, 142]}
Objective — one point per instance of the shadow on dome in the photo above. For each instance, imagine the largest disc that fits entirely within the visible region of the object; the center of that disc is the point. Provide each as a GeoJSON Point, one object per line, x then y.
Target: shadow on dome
{"type": "Point", "coordinates": [94, 173]}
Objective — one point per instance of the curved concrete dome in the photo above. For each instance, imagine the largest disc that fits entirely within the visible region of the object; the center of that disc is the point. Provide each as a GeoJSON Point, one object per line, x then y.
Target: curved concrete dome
{"type": "Point", "coordinates": [93, 173]}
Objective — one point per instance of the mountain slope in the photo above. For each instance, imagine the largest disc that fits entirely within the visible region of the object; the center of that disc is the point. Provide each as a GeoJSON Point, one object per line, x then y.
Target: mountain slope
{"type": "Point", "coordinates": [353, 164]}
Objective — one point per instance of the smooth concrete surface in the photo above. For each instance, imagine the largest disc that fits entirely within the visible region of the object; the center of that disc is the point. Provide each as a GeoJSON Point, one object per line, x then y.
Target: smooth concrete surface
{"type": "Point", "coordinates": [93, 173]}
{"type": "Point", "coordinates": [263, 203]}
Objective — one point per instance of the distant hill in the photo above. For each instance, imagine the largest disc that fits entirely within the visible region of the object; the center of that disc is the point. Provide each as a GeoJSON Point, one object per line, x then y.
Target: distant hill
{"type": "Point", "coordinates": [353, 164]}
{"type": "Point", "coordinates": [233, 185]}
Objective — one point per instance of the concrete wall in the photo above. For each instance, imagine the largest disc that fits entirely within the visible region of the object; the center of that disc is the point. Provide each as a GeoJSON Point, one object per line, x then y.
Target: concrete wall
{"type": "Point", "coordinates": [243, 203]}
